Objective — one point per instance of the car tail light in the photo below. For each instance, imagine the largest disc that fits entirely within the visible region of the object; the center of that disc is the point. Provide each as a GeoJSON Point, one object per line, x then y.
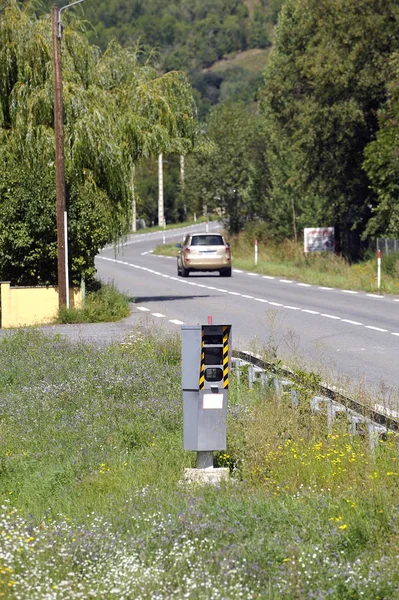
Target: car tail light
{"type": "Point", "coordinates": [227, 252]}
{"type": "Point", "coordinates": [187, 251]}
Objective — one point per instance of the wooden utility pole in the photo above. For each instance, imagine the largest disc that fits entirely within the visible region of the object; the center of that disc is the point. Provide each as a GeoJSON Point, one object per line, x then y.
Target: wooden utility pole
{"type": "Point", "coordinates": [59, 158]}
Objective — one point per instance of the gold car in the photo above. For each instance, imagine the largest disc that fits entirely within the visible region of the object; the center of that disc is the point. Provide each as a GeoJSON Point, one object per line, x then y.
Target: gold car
{"type": "Point", "coordinates": [204, 252]}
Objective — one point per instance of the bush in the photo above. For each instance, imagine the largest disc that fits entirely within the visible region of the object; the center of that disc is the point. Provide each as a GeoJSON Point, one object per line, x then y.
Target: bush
{"type": "Point", "coordinates": [390, 264]}
{"type": "Point", "coordinates": [103, 304]}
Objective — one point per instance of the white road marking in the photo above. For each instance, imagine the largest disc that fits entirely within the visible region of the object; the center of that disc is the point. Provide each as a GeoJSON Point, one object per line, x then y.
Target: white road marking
{"type": "Point", "coordinates": [351, 322]}
{"type": "Point", "coordinates": [237, 271]}
{"type": "Point", "coordinates": [253, 274]}
{"type": "Point", "coordinates": [176, 322]}
{"type": "Point", "coordinates": [305, 310]}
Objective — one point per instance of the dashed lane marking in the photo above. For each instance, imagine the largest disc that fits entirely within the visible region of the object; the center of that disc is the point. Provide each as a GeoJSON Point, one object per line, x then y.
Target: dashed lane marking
{"type": "Point", "coordinates": [351, 322]}
{"type": "Point", "coordinates": [247, 296]}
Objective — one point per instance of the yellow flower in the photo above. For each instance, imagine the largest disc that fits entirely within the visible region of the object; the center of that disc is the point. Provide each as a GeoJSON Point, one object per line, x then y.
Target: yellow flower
{"type": "Point", "coordinates": [343, 526]}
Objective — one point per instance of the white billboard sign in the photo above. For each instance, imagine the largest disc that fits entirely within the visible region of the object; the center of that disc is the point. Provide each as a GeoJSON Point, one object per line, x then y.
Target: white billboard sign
{"type": "Point", "coordinates": [319, 239]}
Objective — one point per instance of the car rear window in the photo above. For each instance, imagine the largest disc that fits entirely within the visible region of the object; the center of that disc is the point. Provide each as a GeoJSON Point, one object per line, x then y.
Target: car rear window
{"type": "Point", "coordinates": [207, 240]}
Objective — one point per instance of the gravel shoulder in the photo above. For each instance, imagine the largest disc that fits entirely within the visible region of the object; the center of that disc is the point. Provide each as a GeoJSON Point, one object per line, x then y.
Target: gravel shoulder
{"type": "Point", "coordinates": [100, 334]}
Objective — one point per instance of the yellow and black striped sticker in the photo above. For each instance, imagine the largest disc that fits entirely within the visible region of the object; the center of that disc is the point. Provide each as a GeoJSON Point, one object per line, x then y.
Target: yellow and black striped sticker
{"type": "Point", "coordinates": [202, 367]}
{"type": "Point", "coordinates": [226, 330]}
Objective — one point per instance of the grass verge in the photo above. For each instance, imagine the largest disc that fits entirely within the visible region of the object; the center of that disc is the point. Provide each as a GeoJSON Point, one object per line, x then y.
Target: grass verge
{"type": "Point", "coordinates": [287, 260]}
{"type": "Point", "coordinates": [200, 219]}
{"type": "Point", "coordinates": [91, 461]}
{"type": "Point", "coordinates": [102, 304]}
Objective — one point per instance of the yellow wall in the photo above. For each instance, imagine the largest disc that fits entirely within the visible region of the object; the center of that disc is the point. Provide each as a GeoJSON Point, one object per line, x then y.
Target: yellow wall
{"type": "Point", "coordinates": [24, 306]}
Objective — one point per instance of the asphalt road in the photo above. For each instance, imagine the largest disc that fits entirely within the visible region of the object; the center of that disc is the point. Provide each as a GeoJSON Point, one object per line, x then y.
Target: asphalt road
{"type": "Point", "coordinates": [350, 338]}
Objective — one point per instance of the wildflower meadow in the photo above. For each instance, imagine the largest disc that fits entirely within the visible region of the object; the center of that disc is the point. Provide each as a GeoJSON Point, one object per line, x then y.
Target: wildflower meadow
{"type": "Point", "coordinates": [93, 503]}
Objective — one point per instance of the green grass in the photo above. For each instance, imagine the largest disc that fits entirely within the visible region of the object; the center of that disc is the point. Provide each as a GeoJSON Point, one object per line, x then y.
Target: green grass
{"type": "Point", "coordinates": [288, 260]}
{"type": "Point", "coordinates": [200, 219]}
{"type": "Point", "coordinates": [103, 304]}
{"type": "Point", "coordinates": [91, 463]}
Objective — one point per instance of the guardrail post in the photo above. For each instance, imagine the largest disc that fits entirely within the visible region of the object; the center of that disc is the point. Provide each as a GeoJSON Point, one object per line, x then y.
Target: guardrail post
{"type": "Point", "coordinates": [294, 397]}
{"type": "Point", "coordinates": [251, 376]}
{"type": "Point", "coordinates": [354, 422]}
{"type": "Point", "coordinates": [263, 380]}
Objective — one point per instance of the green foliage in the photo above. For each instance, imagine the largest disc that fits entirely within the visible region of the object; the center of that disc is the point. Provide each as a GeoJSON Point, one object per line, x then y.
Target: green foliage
{"type": "Point", "coordinates": [390, 264]}
{"type": "Point", "coordinates": [323, 85]}
{"type": "Point", "coordinates": [102, 305]}
{"type": "Point", "coordinates": [116, 111]}
{"type": "Point", "coordinates": [224, 175]}
{"type": "Point", "coordinates": [382, 161]}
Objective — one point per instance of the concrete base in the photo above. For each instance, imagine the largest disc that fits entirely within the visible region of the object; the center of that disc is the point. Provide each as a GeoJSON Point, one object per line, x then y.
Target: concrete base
{"type": "Point", "coordinates": [209, 475]}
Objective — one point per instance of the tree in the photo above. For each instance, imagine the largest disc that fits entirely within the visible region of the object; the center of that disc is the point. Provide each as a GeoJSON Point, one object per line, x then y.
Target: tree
{"type": "Point", "coordinates": [323, 86]}
{"type": "Point", "coordinates": [222, 175]}
{"type": "Point", "coordinates": [382, 161]}
{"type": "Point", "coordinates": [115, 112]}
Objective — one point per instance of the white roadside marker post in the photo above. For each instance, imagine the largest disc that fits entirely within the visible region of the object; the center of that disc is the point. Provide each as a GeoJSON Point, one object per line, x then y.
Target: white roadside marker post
{"type": "Point", "coordinates": [379, 269]}
{"type": "Point", "coordinates": [256, 252]}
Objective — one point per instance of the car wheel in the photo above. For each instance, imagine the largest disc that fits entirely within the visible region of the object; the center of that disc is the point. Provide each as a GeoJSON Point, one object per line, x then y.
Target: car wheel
{"type": "Point", "coordinates": [184, 272]}
{"type": "Point", "coordinates": [226, 272]}
{"type": "Point", "coordinates": [178, 270]}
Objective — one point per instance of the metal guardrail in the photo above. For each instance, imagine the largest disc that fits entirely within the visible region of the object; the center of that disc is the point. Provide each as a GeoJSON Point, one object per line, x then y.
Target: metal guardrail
{"type": "Point", "coordinates": [322, 397]}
